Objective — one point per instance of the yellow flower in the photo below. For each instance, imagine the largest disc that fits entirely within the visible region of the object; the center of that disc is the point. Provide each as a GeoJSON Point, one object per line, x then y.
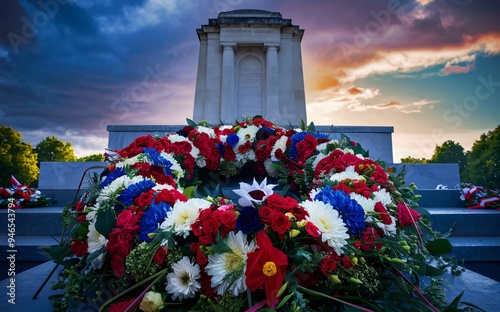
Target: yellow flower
{"type": "Point", "coordinates": [151, 302]}
{"type": "Point", "coordinates": [294, 233]}
{"type": "Point", "coordinates": [302, 223]}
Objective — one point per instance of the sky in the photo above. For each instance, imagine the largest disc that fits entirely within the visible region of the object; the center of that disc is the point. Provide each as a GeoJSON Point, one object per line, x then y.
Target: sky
{"type": "Point", "coordinates": [430, 69]}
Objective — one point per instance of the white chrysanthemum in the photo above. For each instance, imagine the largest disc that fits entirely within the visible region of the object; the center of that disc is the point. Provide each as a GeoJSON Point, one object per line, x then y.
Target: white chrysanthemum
{"type": "Point", "coordinates": [297, 130]}
{"type": "Point", "coordinates": [280, 144]}
{"type": "Point", "coordinates": [383, 197]}
{"type": "Point", "coordinates": [209, 131]}
{"type": "Point", "coordinates": [96, 241]}
{"type": "Point", "coordinates": [360, 156]}
{"type": "Point", "coordinates": [109, 192]}
{"type": "Point", "coordinates": [389, 229]}
{"type": "Point", "coordinates": [130, 161]}
{"type": "Point", "coordinates": [176, 167]}
{"type": "Point", "coordinates": [244, 158]}
{"type": "Point", "coordinates": [159, 187]}
{"type": "Point", "coordinates": [328, 221]}
{"type": "Point", "coordinates": [183, 282]}
{"type": "Point", "coordinates": [221, 265]}
{"type": "Point", "coordinates": [368, 204]}
{"type": "Point", "coordinates": [246, 134]}
{"type": "Point", "coordinates": [323, 146]}
{"type": "Point", "coordinates": [183, 214]}
{"type": "Point", "coordinates": [348, 173]}
{"type": "Point", "coordinates": [347, 151]}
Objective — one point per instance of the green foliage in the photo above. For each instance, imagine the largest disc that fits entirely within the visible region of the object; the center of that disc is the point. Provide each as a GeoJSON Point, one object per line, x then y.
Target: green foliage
{"type": "Point", "coordinates": [93, 157]}
{"type": "Point", "coordinates": [53, 149]}
{"type": "Point", "coordinates": [483, 161]}
{"type": "Point", "coordinates": [16, 158]}
{"type": "Point", "coordinates": [411, 160]}
{"type": "Point", "coordinates": [449, 152]}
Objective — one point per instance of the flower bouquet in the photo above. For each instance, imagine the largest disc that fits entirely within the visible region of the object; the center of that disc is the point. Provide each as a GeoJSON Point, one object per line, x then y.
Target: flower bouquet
{"type": "Point", "coordinates": [167, 227]}
{"type": "Point", "coordinates": [478, 197]}
{"type": "Point", "coordinates": [21, 196]}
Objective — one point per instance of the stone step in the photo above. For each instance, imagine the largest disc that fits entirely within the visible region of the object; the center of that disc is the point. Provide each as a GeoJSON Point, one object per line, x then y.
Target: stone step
{"type": "Point", "coordinates": [477, 248]}
{"type": "Point", "coordinates": [468, 222]}
{"type": "Point", "coordinates": [27, 248]}
{"type": "Point", "coordinates": [439, 198]}
{"type": "Point", "coordinates": [45, 221]}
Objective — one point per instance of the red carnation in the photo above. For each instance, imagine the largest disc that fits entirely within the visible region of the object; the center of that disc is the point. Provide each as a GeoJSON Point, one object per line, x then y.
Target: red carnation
{"type": "Point", "coordinates": [406, 215]}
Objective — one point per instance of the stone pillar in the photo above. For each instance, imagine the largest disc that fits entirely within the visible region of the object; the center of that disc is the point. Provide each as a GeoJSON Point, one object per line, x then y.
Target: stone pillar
{"type": "Point", "coordinates": [227, 114]}
{"type": "Point", "coordinates": [272, 82]}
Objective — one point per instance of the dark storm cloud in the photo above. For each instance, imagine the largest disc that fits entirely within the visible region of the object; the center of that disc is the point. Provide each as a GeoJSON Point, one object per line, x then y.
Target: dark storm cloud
{"type": "Point", "coordinates": [83, 75]}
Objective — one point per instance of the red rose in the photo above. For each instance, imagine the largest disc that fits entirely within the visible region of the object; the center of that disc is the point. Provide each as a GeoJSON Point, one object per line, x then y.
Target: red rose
{"type": "Point", "coordinates": [210, 226]}
{"type": "Point", "coordinates": [204, 214]}
{"type": "Point", "coordinates": [266, 213]}
{"type": "Point", "coordinates": [201, 258]}
{"type": "Point", "coordinates": [312, 230]}
{"type": "Point", "coordinates": [170, 197]}
{"type": "Point", "coordinates": [384, 215]}
{"type": "Point", "coordinates": [79, 248]}
{"type": "Point", "coordinates": [126, 219]}
{"type": "Point", "coordinates": [329, 264]}
{"type": "Point", "coordinates": [144, 200]}
{"type": "Point", "coordinates": [280, 223]}
{"type": "Point", "coordinates": [144, 141]}
{"type": "Point", "coordinates": [407, 216]}
{"type": "Point", "coordinates": [228, 219]}
{"type": "Point", "coordinates": [160, 256]}
{"type": "Point", "coordinates": [197, 228]}
{"type": "Point", "coordinates": [121, 306]}
{"type": "Point", "coordinates": [205, 239]}
{"type": "Point", "coordinates": [280, 203]}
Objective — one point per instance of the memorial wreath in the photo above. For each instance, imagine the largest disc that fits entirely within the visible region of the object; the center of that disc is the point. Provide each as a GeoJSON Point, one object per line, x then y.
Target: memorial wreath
{"type": "Point", "coordinates": [162, 230]}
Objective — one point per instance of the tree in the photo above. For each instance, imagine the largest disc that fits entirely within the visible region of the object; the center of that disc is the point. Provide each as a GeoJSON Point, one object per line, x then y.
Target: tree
{"type": "Point", "coordinates": [450, 152]}
{"type": "Point", "coordinates": [93, 157]}
{"type": "Point", "coordinates": [16, 158]}
{"type": "Point", "coordinates": [483, 161]}
{"type": "Point", "coordinates": [411, 160]}
{"type": "Point", "coordinates": [53, 149]}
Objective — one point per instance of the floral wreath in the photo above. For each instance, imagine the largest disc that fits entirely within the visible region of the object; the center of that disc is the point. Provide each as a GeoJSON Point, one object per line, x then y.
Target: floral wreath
{"type": "Point", "coordinates": [156, 229]}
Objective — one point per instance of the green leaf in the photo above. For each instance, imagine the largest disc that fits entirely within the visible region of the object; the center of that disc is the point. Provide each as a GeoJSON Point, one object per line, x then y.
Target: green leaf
{"type": "Point", "coordinates": [439, 247]}
{"type": "Point", "coordinates": [191, 123]}
{"type": "Point", "coordinates": [56, 251]}
{"type": "Point", "coordinates": [311, 127]}
{"type": "Point", "coordinates": [190, 191]}
{"type": "Point", "coordinates": [433, 271]}
{"type": "Point", "coordinates": [106, 221]}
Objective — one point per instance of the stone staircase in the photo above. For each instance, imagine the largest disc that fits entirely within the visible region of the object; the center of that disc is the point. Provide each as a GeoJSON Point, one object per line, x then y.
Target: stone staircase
{"type": "Point", "coordinates": [476, 234]}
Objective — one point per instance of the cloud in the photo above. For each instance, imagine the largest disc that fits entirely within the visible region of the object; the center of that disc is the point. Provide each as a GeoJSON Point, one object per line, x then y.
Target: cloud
{"type": "Point", "coordinates": [456, 69]}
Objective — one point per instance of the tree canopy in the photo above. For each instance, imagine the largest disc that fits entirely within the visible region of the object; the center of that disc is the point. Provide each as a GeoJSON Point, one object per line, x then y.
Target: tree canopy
{"type": "Point", "coordinates": [16, 158]}
{"type": "Point", "coordinates": [483, 161]}
{"type": "Point", "coordinates": [53, 149]}
{"type": "Point", "coordinates": [93, 157]}
{"type": "Point", "coordinates": [449, 152]}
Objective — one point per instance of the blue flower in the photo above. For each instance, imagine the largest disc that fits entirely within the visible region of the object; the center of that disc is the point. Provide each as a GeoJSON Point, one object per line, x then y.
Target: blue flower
{"type": "Point", "coordinates": [159, 160]}
{"type": "Point", "coordinates": [350, 210]}
{"type": "Point", "coordinates": [298, 137]}
{"type": "Point", "coordinates": [133, 191]}
{"type": "Point", "coordinates": [113, 175]}
{"type": "Point", "coordinates": [152, 217]}
{"type": "Point", "coordinates": [248, 221]}
{"type": "Point", "coordinates": [232, 139]}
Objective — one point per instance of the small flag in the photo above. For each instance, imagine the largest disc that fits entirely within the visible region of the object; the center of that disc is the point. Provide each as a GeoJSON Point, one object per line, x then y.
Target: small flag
{"type": "Point", "coordinates": [14, 181]}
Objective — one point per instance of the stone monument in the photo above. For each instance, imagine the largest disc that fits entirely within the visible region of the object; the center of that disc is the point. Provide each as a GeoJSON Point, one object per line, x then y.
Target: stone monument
{"type": "Point", "coordinates": [250, 63]}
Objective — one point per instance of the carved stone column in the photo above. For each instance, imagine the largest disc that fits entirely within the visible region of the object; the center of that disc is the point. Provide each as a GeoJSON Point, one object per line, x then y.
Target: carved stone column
{"type": "Point", "coordinates": [227, 86]}
{"type": "Point", "coordinates": [272, 81]}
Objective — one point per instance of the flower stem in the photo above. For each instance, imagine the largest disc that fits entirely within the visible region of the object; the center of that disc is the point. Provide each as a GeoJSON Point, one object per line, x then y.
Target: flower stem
{"type": "Point", "coordinates": [318, 294]}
